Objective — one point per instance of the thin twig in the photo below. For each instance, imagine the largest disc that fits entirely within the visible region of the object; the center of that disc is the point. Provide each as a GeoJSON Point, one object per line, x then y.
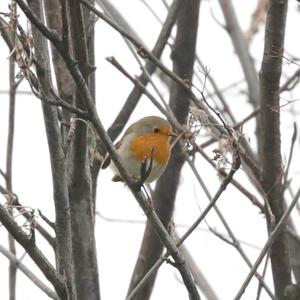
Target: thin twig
{"type": "Point", "coordinates": [14, 202]}
{"type": "Point", "coordinates": [233, 241]}
{"type": "Point", "coordinates": [235, 183]}
{"type": "Point", "coordinates": [2, 174]}
{"type": "Point", "coordinates": [293, 140]}
{"type": "Point", "coordinates": [64, 104]}
{"type": "Point", "coordinates": [242, 50]}
{"type": "Point", "coordinates": [46, 220]}
{"type": "Point", "coordinates": [278, 228]}
{"type": "Point", "coordinates": [10, 142]}
{"type": "Point", "coordinates": [293, 79]}
{"type": "Point", "coordinates": [263, 276]}
{"type": "Point", "coordinates": [27, 272]}
{"type": "Point", "coordinates": [37, 256]}
{"type": "Point", "coordinates": [144, 90]}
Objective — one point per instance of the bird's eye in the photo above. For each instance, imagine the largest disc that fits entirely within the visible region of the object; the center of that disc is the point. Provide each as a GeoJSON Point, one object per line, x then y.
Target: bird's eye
{"type": "Point", "coordinates": [156, 129]}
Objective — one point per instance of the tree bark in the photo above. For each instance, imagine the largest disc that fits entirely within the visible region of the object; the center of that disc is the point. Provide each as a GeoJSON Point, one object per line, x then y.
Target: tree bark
{"type": "Point", "coordinates": [64, 81]}
{"type": "Point", "coordinates": [8, 173]}
{"type": "Point", "coordinates": [80, 185]}
{"type": "Point", "coordinates": [271, 144]}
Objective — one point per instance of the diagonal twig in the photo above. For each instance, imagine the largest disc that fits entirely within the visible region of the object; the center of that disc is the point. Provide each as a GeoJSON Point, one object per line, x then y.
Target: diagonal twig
{"type": "Point", "coordinates": [34, 252]}
{"type": "Point", "coordinates": [293, 140]}
{"type": "Point", "coordinates": [12, 258]}
{"type": "Point", "coordinates": [273, 235]}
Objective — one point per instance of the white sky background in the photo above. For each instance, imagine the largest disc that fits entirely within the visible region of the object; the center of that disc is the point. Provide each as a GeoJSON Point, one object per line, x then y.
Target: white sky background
{"type": "Point", "coordinates": [32, 178]}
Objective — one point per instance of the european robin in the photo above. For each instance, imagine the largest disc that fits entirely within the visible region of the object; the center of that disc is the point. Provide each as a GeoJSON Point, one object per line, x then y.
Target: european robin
{"type": "Point", "coordinates": [146, 142]}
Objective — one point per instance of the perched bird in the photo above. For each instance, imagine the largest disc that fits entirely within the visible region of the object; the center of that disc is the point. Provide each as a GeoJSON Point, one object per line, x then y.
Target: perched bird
{"type": "Point", "coordinates": [144, 146]}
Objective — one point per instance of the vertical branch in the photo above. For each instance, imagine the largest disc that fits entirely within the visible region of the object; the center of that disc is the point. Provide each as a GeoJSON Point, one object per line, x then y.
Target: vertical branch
{"type": "Point", "coordinates": [183, 57]}
{"type": "Point", "coordinates": [9, 149]}
{"type": "Point", "coordinates": [54, 13]}
{"type": "Point", "coordinates": [241, 48]}
{"type": "Point", "coordinates": [272, 175]}
{"type": "Point", "coordinates": [80, 181]}
{"type": "Point", "coordinates": [90, 20]}
{"type": "Point", "coordinates": [8, 177]}
{"type": "Point", "coordinates": [57, 158]}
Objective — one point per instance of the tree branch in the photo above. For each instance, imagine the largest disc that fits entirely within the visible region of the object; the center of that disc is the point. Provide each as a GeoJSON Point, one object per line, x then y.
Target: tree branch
{"type": "Point", "coordinates": [41, 261]}
{"type": "Point", "coordinates": [271, 240]}
{"type": "Point", "coordinates": [80, 182]}
{"type": "Point", "coordinates": [241, 48]}
{"type": "Point", "coordinates": [10, 144]}
{"type": "Point", "coordinates": [272, 173]}
{"type": "Point", "coordinates": [14, 260]}
{"type": "Point", "coordinates": [14, 202]}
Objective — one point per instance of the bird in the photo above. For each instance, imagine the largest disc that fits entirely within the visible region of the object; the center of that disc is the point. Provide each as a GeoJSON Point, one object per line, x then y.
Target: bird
{"type": "Point", "coordinates": [144, 149]}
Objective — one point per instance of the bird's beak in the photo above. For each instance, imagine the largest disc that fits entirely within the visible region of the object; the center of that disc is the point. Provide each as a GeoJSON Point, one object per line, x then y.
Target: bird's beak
{"type": "Point", "coordinates": [172, 134]}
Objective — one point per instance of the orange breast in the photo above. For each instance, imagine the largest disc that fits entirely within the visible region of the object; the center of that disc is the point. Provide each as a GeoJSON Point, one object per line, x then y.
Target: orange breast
{"type": "Point", "coordinates": [142, 146]}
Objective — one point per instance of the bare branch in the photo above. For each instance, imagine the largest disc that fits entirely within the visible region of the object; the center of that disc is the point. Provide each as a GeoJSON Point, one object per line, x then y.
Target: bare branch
{"type": "Point", "coordinates": [10, 143]}
{"type": "Point", "coordinates": [233, 241]}
{"type": "Point", "coordinates": [138, 84]}
{"type": "Point", "coordinates": [291, 82]}
{"type": "Point", "coordinates": [13, 259]}
{"type": "Point", "coordinates": [14, 202]}
{"type": "Point", "coordinates": [235, 183]}
{"type": "Point", "coordinates": [34, 252]}
{"type": "Point", "coordinates": [6, 34]}
{"type": "Point", "coordinates": [272, 173]}
{"type": "Point", "coordinates": [293, 140]}
{"type": "Point", "coordinates": [79, 187]}
{"type": "Point", "coordinates": [271, 239]}
{"type": "Point", "coordinates": [241, 47]}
